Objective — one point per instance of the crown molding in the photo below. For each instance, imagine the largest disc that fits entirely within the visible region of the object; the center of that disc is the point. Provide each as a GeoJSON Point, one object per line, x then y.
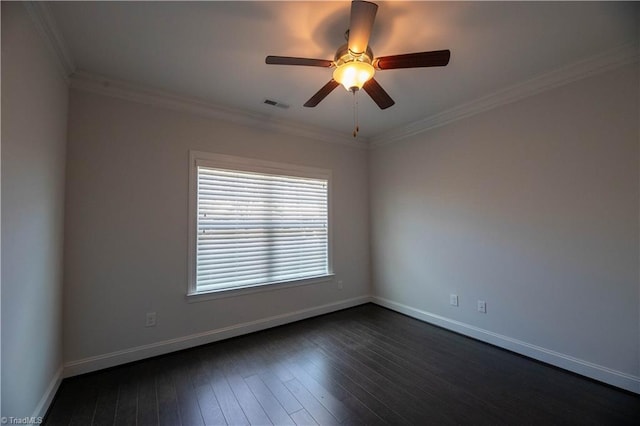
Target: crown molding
{"type": "Point", "coordinates": [107, 86]}
{"type": "Point", "coordinates": [45, 23]}
{"type": "Point", "coordinates": [607, 61]}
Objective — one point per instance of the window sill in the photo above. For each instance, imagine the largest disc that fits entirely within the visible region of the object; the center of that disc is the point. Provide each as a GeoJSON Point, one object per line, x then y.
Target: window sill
{"type": "Point", "coordinates": [258, 288]}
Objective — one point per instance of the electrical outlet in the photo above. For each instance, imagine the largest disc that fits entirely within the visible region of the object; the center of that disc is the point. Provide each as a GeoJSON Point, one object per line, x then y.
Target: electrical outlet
{"type": "Point", "coordinates": [453, 299]}
{"type": "Point", "coordinates": [340, 284]}
{"type": "Point", "coordinates": [482, 306]}
{"type": "Point", "coordinates": [151, 319]}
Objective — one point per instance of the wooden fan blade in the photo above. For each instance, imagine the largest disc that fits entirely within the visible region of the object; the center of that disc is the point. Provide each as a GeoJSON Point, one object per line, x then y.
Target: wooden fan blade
{"type": "Point", "coordinates": [363, 14]}
{"type": "Point", "coordinates": [322, 93]}
{"type": "Point", "coordinates": [436, 58]}
{"type": "Point", "coordinates": [377, 93]}
{"type": "Point", "coordinates": [288, 60]}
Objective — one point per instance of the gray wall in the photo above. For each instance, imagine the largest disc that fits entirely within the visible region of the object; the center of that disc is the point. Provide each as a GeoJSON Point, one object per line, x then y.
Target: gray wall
{"type": "Point", "coordinates": [34, 123]}
{"type": "Point", "coordinates": [126, 224]}
{"type": "Point", "coordinates": [532, 207]}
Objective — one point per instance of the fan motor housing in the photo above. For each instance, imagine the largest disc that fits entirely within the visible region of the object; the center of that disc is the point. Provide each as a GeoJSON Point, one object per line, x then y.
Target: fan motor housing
{"type": "Point", "coordinates": [344, 55]}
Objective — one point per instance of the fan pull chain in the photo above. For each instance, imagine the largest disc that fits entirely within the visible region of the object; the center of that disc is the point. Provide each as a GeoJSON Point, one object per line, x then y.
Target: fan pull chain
{"type": "Point", "coordinates": [356, 126]}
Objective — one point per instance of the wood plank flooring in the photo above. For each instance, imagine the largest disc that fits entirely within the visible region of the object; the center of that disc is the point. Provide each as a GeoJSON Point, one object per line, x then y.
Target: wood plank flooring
{"type": "Point", "coordinates": [365, 365]}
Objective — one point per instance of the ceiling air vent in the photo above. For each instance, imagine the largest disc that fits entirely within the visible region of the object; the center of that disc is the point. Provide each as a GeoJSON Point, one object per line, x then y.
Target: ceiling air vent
{"type": "Point", "coordinates": [276, 104]}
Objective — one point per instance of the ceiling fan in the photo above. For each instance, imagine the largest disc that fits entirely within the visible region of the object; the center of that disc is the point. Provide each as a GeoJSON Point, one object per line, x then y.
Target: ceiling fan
{"type": "Point", "coordinates": [355, 64]}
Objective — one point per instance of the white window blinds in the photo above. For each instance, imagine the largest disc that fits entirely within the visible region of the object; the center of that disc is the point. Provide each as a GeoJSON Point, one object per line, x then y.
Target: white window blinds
{"type": "Point", "coordinates": [258, 228]}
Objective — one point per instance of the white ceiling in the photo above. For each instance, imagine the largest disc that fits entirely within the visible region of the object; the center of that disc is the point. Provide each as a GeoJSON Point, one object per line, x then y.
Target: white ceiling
{"type": "Point", "coordinates": [214, 51]}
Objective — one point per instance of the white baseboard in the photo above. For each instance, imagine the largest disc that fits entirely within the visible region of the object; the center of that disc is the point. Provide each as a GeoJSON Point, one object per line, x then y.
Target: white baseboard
{"type": "Point", "coordinates": [49, 393]}
{"type": "Point", "coordinates": [567, 362]}
{"type": "Point", "coordinates": [137, 353]}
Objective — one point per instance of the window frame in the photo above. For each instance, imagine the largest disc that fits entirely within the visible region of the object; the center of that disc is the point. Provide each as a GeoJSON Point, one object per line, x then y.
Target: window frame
{"type": "Point", "coordinates": [230, 162]}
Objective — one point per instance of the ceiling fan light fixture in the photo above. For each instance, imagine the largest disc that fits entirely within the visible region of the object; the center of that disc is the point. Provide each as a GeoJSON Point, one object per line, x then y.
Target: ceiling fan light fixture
{"type": "Point", "coordinates": [355, 63]}
{"type": "Point", "coordinates": [354, 74]}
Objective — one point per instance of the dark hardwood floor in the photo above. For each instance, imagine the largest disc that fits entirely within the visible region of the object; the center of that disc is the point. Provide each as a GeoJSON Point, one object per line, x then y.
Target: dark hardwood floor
{"type": "Point", "coordinates": [365, 365]}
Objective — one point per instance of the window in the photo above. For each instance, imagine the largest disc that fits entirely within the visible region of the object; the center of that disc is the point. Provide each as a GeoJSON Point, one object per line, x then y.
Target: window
{"type": "Point", "coordinates": [255, 223]}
